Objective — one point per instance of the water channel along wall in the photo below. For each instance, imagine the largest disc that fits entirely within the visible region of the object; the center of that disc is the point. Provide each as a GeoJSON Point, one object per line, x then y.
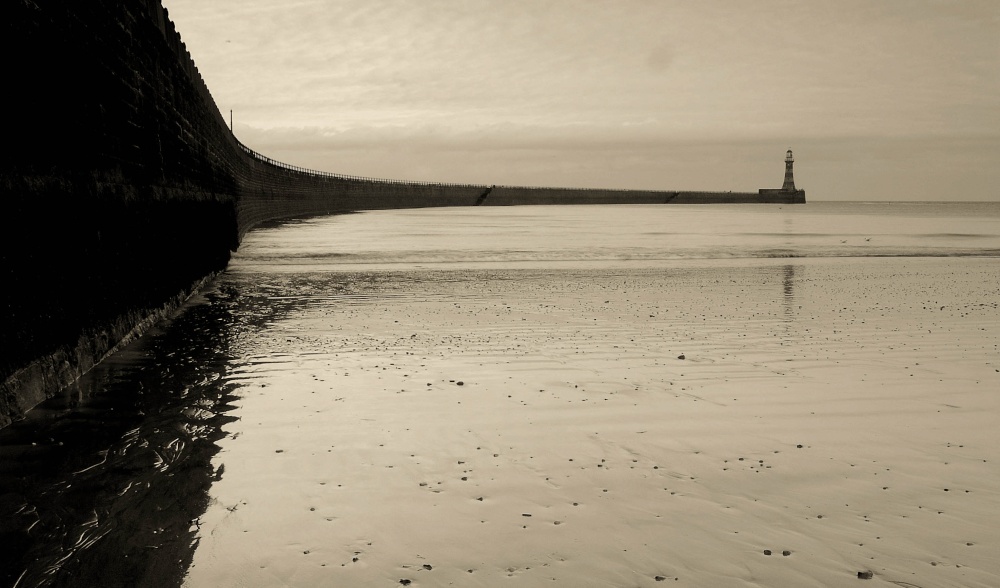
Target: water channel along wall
{"type": "Point", "coordinates": [124, 188]}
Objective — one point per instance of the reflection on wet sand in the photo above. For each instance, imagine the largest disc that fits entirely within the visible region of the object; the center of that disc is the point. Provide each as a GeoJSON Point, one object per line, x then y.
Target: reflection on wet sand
{"type": "Point", "coordinates": [788, 291]}
{"type": "Point", "coordinates": [104, 484]}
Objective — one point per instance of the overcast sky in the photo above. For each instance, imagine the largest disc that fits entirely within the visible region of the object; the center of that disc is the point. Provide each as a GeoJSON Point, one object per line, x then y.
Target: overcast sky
{"type": "Point", "coordinates": [890, 99]}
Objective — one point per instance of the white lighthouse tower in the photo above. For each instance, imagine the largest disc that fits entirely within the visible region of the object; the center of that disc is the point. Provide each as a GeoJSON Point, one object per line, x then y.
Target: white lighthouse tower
{"type": "Point", "coordinates": [789, 184]}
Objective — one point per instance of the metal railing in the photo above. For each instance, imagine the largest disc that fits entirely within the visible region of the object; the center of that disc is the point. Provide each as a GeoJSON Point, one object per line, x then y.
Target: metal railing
{"type": "Point", "coordinates": [265, 159]}
{"type": "Point", "coordinates": [347, 177]}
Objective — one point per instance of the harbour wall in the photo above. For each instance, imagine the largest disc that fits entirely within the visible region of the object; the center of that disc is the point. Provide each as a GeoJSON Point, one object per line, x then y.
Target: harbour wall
{"type": "Point", "coordinates": [514, 196]}
{"type": "Point", "coordinates": [124, 188]}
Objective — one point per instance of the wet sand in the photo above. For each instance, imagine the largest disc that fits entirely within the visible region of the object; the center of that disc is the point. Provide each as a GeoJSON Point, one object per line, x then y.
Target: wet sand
{"type": "Point", "coordinates": [727, 423]}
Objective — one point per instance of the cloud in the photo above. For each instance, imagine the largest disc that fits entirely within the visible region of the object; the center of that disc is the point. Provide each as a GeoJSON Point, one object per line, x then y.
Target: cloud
{"type": "Point", "coordinates": [561, 81]}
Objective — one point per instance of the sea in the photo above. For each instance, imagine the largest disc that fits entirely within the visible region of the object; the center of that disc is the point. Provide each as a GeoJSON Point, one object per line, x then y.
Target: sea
{"type": "Point", "coordinates": [120, 479]}
{"type": "Point", "coordinates": [634, 236]}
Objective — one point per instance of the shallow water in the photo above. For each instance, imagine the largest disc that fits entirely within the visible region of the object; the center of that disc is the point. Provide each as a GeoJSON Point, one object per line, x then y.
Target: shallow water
{"type": "Point", "coordinates": [302, 423]}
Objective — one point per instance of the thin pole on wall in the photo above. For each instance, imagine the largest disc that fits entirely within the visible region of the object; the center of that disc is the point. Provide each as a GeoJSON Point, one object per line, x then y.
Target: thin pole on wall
{"type": "Point", "coordinates": [230, 120]}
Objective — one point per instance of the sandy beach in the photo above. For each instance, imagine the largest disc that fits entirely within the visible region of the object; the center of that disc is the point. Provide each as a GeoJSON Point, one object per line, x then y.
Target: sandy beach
{"type": "Point", "coordinates": [712, 423]}
{"type": "Point", "coordinates": [542, 396]}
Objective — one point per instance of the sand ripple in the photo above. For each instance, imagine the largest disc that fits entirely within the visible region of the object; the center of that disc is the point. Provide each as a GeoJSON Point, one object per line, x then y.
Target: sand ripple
{"type": "Point", "coordinates": [837, 414]}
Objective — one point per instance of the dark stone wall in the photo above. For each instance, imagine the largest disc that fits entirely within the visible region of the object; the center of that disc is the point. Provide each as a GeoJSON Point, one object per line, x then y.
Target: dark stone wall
{"type": "Point", "coordinates": [510, 196]}
{"type": "Point", "coordinates": [781, 196]}
{"type": "Point", "coordinates": [515, 195]}
{"type": "Point", "coordinates": [118, 187]}
{"type": "Point", "coordinates": [270, 190]}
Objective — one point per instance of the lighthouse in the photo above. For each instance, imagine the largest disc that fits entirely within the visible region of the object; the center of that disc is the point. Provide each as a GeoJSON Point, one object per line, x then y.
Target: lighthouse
{"type": "Point", "coordinates": [787, 193]}
{"type": "Point", "coordinates": [789, 184]}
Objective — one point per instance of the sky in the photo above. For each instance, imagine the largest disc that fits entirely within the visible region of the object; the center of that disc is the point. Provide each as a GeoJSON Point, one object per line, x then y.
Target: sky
{"type": "Point", "coordinates": [879, 99]}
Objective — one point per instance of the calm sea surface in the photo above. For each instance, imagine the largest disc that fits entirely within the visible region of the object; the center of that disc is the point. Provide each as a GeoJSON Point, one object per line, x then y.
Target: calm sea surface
{"type": "Point", "coordinates": [108, 483]}
{"type": "Point", "coordinates": [613, 236]}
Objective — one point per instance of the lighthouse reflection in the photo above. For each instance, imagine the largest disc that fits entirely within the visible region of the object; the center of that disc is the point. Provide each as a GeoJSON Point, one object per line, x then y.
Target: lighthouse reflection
{"type": "Point", "coordinates": [788, 290]}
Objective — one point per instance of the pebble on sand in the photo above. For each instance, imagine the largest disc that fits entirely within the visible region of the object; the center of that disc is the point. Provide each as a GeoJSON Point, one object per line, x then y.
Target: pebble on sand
{"type": "Point", "coordinates": [865, 575]}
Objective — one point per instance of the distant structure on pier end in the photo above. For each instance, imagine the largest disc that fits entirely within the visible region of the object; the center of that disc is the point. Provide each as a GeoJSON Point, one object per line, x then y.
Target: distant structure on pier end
{"type": "Point", "coordinates": [787, 193]}
{"type": "Point", "coordinates": [789, 184]}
